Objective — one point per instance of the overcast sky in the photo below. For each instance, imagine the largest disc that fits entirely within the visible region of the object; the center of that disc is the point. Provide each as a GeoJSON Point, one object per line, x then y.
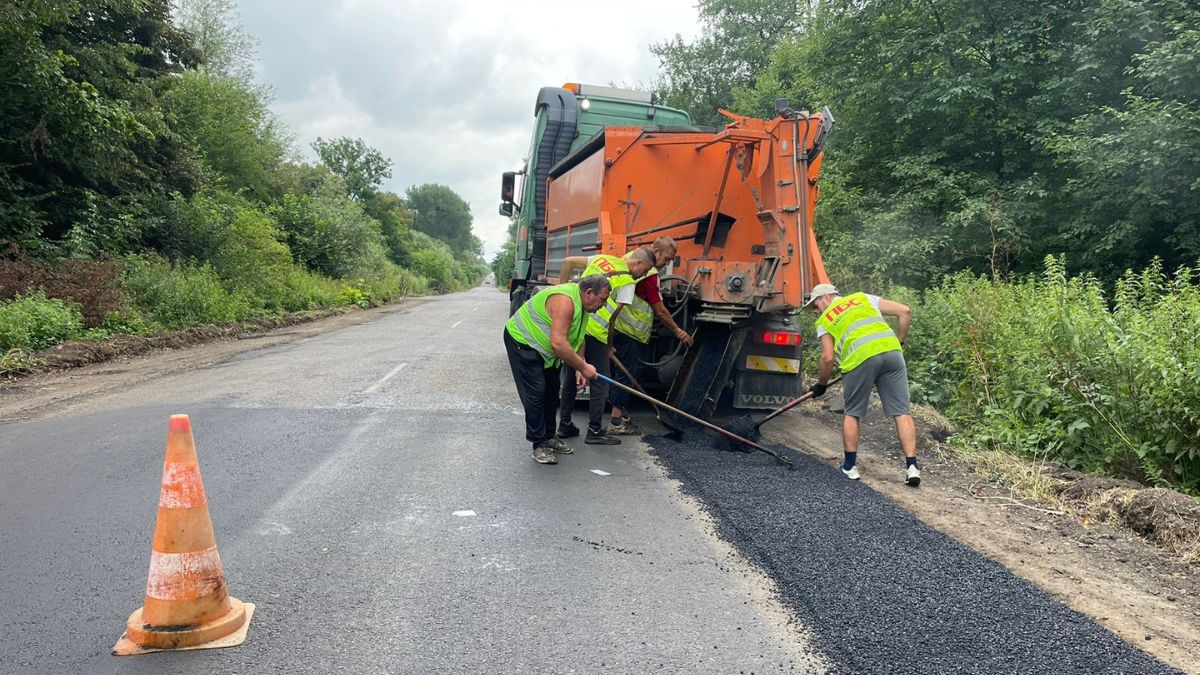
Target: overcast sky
{"type": "Point", "coordinates": [445, 88]}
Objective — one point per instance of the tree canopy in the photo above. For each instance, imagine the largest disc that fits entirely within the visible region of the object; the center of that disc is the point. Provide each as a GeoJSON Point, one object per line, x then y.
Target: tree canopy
{"type": "Point", "coordinates": [362, 167]}
{"type": "Point", "coordinates": [974, 135]}
{"type": "Point", "coordinates": [146, 184]}
{"type": "Point", "coordinates": [442, 214]}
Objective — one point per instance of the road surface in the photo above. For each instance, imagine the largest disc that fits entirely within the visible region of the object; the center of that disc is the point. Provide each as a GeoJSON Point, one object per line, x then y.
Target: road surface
{"type": "Point", "coordinates": [373, 494]}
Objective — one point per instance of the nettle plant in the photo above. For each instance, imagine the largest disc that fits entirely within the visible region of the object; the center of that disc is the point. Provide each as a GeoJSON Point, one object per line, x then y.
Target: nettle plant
{"type": "Point", "coordinates": [1052, 366]}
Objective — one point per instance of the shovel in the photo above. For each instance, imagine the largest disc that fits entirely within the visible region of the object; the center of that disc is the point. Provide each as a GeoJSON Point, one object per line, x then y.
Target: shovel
{"type": "Point", "coordinates": [696, 420]}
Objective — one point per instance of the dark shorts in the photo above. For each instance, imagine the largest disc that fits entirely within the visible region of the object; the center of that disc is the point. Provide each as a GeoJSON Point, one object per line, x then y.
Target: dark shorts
{"type": "Point", "coordinates": [884, 372]}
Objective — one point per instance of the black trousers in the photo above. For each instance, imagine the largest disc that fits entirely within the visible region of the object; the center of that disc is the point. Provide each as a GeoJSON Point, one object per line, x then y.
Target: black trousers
{"type": "Point", "coordinates": [595, 352]}
{"type": "Point", "coordinates": [629, 351]}
{"type": "Point", "coordinates": [537, 386]}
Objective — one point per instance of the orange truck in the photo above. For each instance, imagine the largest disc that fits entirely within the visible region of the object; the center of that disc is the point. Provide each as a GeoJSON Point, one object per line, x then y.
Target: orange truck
{"type": "Point", "coordinates": [609, 170]}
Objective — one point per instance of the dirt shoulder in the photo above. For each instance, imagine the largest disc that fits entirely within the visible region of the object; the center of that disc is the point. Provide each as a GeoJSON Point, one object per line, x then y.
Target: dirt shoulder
{"type": "Point", "coordinates": [1141, 592]}
{"type": "Point", "coordinates": [78, 371]}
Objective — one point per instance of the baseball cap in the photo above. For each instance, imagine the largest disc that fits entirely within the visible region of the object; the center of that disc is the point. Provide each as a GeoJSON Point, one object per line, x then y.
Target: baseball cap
{"type": "Point", "coordinates": [819, 290]}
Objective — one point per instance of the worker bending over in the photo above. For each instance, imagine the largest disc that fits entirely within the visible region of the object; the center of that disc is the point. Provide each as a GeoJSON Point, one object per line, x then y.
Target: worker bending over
{"type": "Point", "coordinates": [547, 331]}
{"type": "Point", "coordinates": [634, 323]}
{"type": "Point", "coordinates": [855, 335]}
{"type": "Point", "coordinates": [622, 274]}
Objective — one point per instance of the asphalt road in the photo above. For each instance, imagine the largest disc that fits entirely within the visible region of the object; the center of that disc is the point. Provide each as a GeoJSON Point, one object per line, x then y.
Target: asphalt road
{"type": "Point", "coordinates": [373, 494]}
{"type": "Point", "coordinates": [335, 467]}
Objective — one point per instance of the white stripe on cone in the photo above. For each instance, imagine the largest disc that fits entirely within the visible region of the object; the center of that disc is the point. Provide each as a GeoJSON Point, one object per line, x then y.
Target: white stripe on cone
{"type": "Point", "coordinates": [181, 576]}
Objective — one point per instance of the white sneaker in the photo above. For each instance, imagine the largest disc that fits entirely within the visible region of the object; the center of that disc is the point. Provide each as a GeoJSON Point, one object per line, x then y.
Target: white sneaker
{"type": "Point", "coordinates": [851, 473]}
{"type": "Point", "coordinates": [912, 476]}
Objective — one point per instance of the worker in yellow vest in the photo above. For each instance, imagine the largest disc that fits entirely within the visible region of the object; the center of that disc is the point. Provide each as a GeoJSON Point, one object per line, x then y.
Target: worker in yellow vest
{"type": "Point", "coordinates": [634, 324]}
{"type": "Point", "coordinates": [547, 331]}
{"type": "Point", "coordinates": [855, 336]}
{"type": "Point", "coordinates": [623, 274]}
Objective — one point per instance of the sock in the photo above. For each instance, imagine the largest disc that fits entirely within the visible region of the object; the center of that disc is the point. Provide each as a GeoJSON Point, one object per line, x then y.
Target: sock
{"type": "Point", "coordinates": [851, 457]}
{"type": "Point", "coordinates": [910, 461]}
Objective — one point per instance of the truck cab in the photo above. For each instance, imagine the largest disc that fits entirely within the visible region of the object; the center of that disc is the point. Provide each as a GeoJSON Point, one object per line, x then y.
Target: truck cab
{"type": "Point", "coordinates": [565, 119]}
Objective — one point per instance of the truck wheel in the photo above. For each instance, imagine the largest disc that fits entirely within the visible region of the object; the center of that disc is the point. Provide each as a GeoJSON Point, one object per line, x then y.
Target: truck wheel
{"type": "Point", "coordinates": [516, 299]}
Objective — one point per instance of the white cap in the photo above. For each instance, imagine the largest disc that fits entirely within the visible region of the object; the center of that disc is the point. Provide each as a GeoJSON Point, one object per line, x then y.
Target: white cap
{"type": "Point", "coordinates": [819, 290]}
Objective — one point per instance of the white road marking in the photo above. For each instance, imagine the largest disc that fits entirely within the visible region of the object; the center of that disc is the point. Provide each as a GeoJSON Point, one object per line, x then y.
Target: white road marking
{"type": "Point", "coordinates": [269, 528]}
{"type": "Point", "coordinates": [598, 472]}
{"type": "Point", "coordinates": [385, 378]}
{"type": "Point", "coordinates": [455, 324]}
{"type": "Point", "coordinates": [475, 308]}
{"type": "Point", "coordinates": [463, 514]}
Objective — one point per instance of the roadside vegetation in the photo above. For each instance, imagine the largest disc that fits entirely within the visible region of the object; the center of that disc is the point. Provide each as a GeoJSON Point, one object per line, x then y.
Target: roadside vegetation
{"type": "Point", "coordinates": [146, 186]}
{"type": "Point", "coordinates": [1027, 176]}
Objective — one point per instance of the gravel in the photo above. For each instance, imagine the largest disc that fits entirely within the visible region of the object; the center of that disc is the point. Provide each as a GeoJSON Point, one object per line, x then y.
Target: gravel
{"type": "Point", "coordinates": [881, 591]}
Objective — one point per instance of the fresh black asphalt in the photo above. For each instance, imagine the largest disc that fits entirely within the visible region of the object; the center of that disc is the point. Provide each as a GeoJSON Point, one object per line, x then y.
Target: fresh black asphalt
{"type": "Point", "coordinates": [881, 591]}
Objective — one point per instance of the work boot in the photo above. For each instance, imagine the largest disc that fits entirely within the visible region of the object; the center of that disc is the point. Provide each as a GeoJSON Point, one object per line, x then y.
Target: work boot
{"type": "Point", "coordinates": [544, 454]}
{"type": "Point", "coordinates": [600, 437]}
{"type": "Point", "coordinates": [624, 427]}
{"type": "Point", "coordinates": [567, 430]}
{"type": "Point", "coordinates": [559, 446]}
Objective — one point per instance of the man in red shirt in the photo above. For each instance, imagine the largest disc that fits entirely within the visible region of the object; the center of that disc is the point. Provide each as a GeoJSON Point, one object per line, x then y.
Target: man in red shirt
{"type": "Point", "coordinates": [634, 324]}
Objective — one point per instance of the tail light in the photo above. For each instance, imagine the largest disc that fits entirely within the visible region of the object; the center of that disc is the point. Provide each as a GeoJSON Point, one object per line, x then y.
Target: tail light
{"type": "Point", "coordinates": [779, 338]}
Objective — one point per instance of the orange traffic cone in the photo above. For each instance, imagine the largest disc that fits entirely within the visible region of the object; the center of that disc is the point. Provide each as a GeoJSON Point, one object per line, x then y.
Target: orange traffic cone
{"type": "Point", "coordinates": [187, 605]}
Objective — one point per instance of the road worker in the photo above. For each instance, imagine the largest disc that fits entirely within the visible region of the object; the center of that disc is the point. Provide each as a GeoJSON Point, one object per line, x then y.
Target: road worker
{"type": "Point", "coordinates": [634, 324]}
{"type": "Point", "coordinates": [856, 337]}
{"type": "Point", "coordinates": [547, 331]}
{"type": "Point", "coordinates": [623, 274]}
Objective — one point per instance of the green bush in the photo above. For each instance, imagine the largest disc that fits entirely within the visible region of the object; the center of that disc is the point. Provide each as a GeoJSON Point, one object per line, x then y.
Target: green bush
{"type": "Point", "coordinates": [181, 294]}
{"type": "Point", "coordinates": [327, 231]}
{"type": "Point", "coordinates": [1053, 366]}
{"type": "Point", "coordinates": [353, 296]}
{"type": "Point", "coordinates": [33, 321]}
{"type": "Point", "coordinates": [307, 290]}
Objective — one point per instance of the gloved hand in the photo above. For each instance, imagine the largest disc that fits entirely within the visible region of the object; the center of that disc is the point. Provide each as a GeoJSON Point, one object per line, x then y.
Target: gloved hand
{"type": "Point", "coordinates": [818, 390]}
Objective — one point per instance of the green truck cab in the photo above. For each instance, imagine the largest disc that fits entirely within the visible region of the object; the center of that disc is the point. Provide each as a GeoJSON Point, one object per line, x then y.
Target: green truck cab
{"type": "Point", "coordinates": [566, 119]}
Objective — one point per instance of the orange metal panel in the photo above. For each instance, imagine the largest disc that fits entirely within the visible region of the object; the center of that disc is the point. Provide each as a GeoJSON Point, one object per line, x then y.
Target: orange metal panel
{"type": "Point", "coordinates": [644, 182]}
{"type": "Point", "coordinates": [574, 197]}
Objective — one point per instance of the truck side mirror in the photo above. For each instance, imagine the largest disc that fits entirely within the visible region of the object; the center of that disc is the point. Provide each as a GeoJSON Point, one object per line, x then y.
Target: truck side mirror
{"type": "Point", "coordinates": [506, 209]}
{"type": "Point", "coordinates": [508, 181]}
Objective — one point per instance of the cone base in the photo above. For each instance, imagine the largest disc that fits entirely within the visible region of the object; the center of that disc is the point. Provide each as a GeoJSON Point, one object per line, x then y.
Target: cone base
{"type": "Point", "coordinates": [227, 631]}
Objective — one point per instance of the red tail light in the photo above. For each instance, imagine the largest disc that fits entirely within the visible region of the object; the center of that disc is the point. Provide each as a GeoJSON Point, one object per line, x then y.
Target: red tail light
{"type": "Point", "coordinates": [780, 338]}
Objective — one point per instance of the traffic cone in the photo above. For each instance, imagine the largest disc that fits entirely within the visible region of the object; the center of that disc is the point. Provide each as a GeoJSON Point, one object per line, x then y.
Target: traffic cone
{"type": "Point", "coordinates": [187, 605]}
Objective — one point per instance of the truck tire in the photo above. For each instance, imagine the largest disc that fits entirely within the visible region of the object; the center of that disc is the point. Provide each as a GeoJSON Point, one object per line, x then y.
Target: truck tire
{"type": "Point", "coordinates": [516, 298]}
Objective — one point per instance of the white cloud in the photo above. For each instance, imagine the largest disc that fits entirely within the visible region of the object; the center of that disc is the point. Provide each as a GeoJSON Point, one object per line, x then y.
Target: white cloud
{"type": "Point", "coordinates": [446, 88]}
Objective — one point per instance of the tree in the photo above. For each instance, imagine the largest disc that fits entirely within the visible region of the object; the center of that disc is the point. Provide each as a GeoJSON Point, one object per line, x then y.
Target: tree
{"type": "Point", "coordinates": [395, 221]}
{"type": "Point", "coordinates": [506, 259]}
{"type": "Point", "coordinates": [85, 151]}
{"type": "Point", "coordinates": [735, 45]}
{"type": "Point", "coordinates": [442, 214]}
{"type": "Point", "coordinates": [231, 125]}
{"type": "Point", "coordinates": [223, 47]}
{"type": "Point", "coordinates": [362, 167]}
{"type": "Point", "coordinates": [984, 136]}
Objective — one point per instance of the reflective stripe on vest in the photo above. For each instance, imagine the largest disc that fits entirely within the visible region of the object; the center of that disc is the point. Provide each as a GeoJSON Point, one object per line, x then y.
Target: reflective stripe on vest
{"type": "Point", "coordinates": [616, 270]}
{"type": "Point", "coordinates": [859, 331]}
{"type": "Point", "coordinates": [530, 326]}
{"type": "Point", "coordinates": [637, 320]}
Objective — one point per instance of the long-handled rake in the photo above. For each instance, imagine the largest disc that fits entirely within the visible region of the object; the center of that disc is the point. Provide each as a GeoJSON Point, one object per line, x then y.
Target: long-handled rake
{"type": "Point", "coordinates": [692, 418]}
